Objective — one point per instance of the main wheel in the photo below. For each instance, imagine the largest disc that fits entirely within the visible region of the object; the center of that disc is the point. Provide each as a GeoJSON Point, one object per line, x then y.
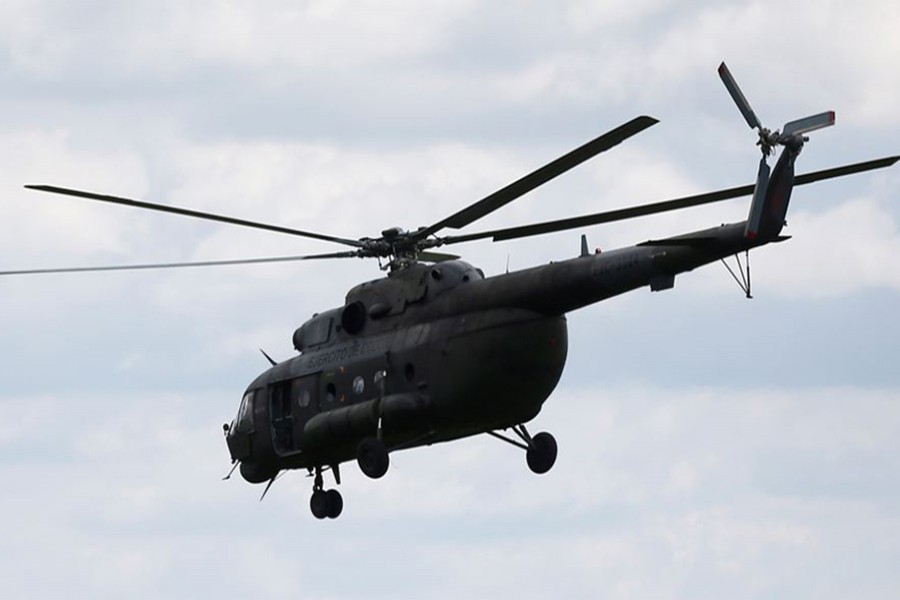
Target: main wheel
{"type": "Point", "coordinates": [319, 504]}
{"type": "Point", "coordinates": [335, 503]}
{"type": "Point", "coordinates": [541, 453]}
{"type": "Point", "coordinates": [372, 456]}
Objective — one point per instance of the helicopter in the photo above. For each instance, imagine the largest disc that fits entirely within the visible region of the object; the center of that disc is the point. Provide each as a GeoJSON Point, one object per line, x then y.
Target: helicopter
{"type": "Point", "coordinates": [436, 351]}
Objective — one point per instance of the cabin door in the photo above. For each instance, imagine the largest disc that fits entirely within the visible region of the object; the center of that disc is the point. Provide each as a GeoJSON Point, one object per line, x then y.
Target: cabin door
{"type": "Point", "coordinates": [293, 403]}
{"type": "Point", "coordinates": [282, 411]}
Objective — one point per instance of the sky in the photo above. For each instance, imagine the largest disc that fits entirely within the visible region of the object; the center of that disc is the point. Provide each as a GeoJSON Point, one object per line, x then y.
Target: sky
{"type": "Point", "coordinates": [710, 446]}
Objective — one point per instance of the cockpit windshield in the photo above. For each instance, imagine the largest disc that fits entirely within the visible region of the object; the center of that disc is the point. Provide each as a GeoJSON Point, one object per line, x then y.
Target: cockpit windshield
{"type": "Point", "coordinates": [243, 423]}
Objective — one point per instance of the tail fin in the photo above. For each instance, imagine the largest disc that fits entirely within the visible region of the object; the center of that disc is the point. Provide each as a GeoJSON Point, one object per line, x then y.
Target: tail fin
{"type": "Point", "coordinates": [769, 208]}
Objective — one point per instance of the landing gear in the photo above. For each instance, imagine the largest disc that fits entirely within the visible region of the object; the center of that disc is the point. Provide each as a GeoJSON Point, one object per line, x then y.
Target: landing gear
{"type": "Point", "coordinates": [540, 450]}
{"type": "Point", "coordinates": [326, 503]}
{"type": "Point", "coordinates": [541, 453]}
{"type": "Point", "coordinates": [372, 456]}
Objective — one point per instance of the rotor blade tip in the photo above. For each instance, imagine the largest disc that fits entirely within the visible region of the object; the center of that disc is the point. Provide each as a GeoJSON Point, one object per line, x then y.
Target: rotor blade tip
{"type": "Point", "coordinates": [43, 187]}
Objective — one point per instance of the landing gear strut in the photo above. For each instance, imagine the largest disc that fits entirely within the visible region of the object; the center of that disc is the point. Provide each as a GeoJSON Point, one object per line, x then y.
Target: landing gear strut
{"type": "Point", "coordinates": [540, 450]}
{"type": "Point", "coordinates": [326, 503]}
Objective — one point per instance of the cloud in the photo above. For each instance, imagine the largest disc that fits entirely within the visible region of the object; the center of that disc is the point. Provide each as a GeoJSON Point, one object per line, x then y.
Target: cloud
{"type": "Point", "coordinates": [143, 501]}
{"type": "Point", "coordinates": [840, 251]}
{"type": "Point", "coordinates": [169, 37]}
{"type": "Point", "coordinates": [45, 226]}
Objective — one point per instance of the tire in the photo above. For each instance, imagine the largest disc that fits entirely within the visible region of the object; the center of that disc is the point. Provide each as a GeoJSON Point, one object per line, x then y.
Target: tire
{"type": "Point", "coordinates": [372, 457]}
{"type": "Point", "coordinates": [319, 504]}
{"type": "Point", "coordinates": [335, 503]}
{"type": "Point", "coordinates": [541, 455]}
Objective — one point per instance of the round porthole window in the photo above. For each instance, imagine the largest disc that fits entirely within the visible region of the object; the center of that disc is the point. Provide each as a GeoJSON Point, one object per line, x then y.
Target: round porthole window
{"type": "Point", "coordinates": [359, 385]}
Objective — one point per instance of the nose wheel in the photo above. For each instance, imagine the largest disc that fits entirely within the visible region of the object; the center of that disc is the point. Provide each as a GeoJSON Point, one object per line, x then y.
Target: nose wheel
{"type": "Point", "coordinates": [326, 504]}
{"type": "Point", "coordinates": [540, 449]}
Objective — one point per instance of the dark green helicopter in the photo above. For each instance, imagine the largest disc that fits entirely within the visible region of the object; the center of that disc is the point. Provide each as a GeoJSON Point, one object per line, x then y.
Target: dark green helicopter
{"type": "Point", "coordinates": [436, 351]}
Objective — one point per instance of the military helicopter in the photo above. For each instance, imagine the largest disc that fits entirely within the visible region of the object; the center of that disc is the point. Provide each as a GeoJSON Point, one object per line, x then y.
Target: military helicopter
{"type": "Point", "coordinates": [435, 351]}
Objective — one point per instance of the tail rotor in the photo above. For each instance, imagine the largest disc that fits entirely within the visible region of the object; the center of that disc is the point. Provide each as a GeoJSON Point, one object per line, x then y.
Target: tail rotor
{"type": "Point", "coordinates": [791, 135]}
{"type": "Point", "coordinates": [769, 206]}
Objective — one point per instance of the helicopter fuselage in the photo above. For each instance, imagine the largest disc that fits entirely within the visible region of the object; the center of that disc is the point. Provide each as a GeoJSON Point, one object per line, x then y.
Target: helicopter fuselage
{"type": "Point", "coordinates": [433, 353]}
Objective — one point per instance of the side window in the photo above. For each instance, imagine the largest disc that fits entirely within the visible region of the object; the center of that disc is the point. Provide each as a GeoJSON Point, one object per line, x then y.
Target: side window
{"type": "Point", "coordinates": [244, 422]}
{"type": "Point", "coordinates": [300, 391]}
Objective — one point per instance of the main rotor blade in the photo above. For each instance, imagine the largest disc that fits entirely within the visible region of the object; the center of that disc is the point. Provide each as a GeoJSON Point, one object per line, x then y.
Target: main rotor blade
{"type": "Point", "coordinates": [738, 96]}
{"type": "Point", "coordinates": [869, 165]}
{"type": "Point", "coordinates": [658, 207]}
{"type": "Point", "coordinates": [192, 213]}
{"type": "Point", "coordinates": [436, 257]}
{"type": "Point", "coordinates": [522, 186]}
{"type": "Point", "coordinates": [206, 263]}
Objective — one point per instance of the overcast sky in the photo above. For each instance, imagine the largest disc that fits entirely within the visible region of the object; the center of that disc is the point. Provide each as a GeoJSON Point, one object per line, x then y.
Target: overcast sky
{"type": "Point", "coordinates": [710, 446]}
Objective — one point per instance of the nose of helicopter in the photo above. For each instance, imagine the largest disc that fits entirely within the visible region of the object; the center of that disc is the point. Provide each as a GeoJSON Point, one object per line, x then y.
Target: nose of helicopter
{"type": "Point", "coordinates": [239, 447]}
{"type": "Point", "coordinates": [238, 442]}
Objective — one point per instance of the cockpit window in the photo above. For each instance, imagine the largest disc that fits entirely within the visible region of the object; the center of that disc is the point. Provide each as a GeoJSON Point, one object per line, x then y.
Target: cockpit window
{"type": "Point", "coordinates": [244, 421]}
{"type": "Point", "coordinates": [314, 332]}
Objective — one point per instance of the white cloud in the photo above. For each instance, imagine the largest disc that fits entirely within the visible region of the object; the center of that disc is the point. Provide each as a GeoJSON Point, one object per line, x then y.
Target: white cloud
{"type": "Point", "coordinates": [169, 37]}
{"type": "Point", "coordinates": [146, 504]}
{"type": "Point", "coordinates": [841, 251]}
{"type": "Point", "coordinates": [43, 225]}
{"type": "Point", "coordinates": [595, 18]}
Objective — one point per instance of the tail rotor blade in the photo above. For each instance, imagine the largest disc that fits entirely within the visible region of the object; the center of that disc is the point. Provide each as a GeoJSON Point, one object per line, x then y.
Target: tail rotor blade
{"type": "Point", "coordinates": [807, 124]}
{"type": "Point", "coordinates": [739, 98]}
